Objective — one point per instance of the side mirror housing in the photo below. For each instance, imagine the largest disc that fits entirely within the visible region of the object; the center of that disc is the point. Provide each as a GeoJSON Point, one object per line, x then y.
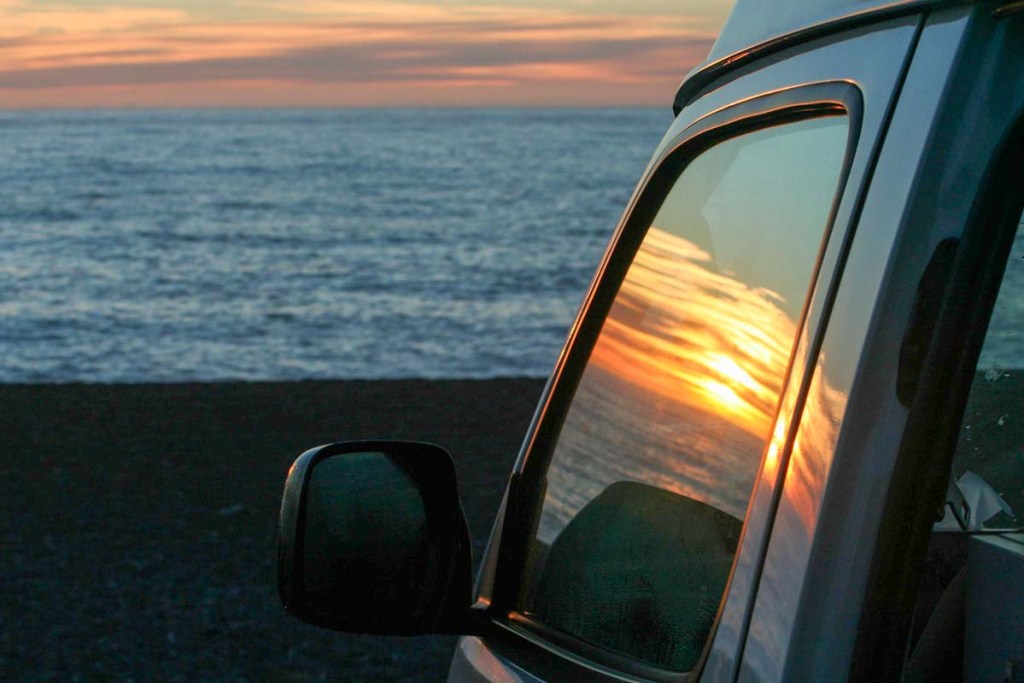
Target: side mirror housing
{"type": "Point", "coordinates": [373, 539]}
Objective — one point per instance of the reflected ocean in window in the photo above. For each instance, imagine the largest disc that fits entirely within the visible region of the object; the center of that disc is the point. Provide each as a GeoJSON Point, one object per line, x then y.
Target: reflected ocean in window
{"type": "Point", "coordinates": [217, 245]}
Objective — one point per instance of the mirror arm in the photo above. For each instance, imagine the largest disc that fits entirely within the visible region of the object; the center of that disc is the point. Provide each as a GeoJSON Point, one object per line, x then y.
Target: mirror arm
{"type": "Point", "coordinates": [475, 620]}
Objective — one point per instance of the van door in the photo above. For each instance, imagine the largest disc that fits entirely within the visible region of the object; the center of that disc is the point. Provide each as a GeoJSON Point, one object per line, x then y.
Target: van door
{"type": "Point", "coordinates": [870, 460]}
{"type": "Point", "coordinates": [632, 534]}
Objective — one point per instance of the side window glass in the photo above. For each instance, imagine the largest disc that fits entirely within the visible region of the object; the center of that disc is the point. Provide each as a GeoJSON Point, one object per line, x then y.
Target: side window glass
{"type": "Point", "coordinates": [650, 477]}
{"type": "Point", "coordinates": [989, 460]}
{"type": "Point", "coordinates": [988, 465]}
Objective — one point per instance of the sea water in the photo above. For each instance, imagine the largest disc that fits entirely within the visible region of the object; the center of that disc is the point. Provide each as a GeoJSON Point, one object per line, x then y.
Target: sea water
{"type": "Point", "coordinates": [165, 246]}
{"type": "Point", "coordinates": [143, 246]}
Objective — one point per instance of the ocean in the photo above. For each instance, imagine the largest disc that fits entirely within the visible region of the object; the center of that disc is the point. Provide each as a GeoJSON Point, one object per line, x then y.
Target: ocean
{"type": "Point", "coordinates": [215, 245]}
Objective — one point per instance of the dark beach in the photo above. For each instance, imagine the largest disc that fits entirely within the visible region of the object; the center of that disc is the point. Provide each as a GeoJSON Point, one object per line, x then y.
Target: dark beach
{"type": "Point", "coordinates": [139, 522]}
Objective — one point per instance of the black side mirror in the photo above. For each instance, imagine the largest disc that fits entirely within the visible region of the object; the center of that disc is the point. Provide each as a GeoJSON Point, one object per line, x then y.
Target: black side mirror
{"type": "Point", "coordinates": [373, 539]}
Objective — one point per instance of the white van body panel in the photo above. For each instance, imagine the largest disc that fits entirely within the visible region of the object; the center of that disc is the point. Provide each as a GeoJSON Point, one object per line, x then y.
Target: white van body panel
{"type": "Point", "coordinates": [871, 441]}
{"type": "Point", "coordinates": [872, 62]}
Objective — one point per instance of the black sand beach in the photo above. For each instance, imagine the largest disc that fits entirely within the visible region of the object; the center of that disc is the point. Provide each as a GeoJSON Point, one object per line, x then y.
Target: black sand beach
{"type": "Point", "coordinates": [139, 522]}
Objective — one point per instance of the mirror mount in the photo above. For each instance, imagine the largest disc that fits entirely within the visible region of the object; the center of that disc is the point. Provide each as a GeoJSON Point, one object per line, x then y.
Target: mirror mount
{"type": "Point", "coordinates": [373, 539]}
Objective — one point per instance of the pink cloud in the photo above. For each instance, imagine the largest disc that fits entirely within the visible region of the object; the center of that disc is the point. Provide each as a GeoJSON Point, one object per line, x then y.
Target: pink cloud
{"type": "Point", "coordinates": [344, 54]}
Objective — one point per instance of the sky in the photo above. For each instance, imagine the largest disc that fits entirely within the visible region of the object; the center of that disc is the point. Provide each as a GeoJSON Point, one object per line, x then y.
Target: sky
{"type": "Point", "coordinates": [274, 53]}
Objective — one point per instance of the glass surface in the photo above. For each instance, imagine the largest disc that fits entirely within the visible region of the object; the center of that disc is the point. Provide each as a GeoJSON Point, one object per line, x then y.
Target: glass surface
{"type": "Point", "coordinates": [989, 460]}
{"type": "Point", "coordinates": [365, 528]}
{"type": "Point", "coordinates": [652, 471]}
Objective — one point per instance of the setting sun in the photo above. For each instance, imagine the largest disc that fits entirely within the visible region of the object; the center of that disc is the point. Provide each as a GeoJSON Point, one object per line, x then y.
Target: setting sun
{"type": "Point", "coordinates": [674, 349]}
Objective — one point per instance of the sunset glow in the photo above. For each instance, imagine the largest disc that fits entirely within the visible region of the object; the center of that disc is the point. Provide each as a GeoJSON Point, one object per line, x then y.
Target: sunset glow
{"type": "Point", "coordinates": [337, 53]}
{"type": "Point", "coordinates": [679, 349]}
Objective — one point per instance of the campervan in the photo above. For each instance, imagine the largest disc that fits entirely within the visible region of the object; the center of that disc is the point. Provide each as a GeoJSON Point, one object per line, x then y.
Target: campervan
{"type": "Point", "coordinates": [785, 438]}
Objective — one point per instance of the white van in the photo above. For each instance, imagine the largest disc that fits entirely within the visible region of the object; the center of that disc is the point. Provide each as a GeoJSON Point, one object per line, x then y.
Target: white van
{"type": "Point", "coordinates": [785, 438]}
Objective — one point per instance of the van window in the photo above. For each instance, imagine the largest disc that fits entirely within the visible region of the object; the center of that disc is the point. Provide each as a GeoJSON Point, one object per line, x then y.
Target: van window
{"type": "Point", "coordinates": [651, 474]}
{"type": "Point", "coordinates": [988, 465]}
{"type": "Point", "coordinates": [989, 460]}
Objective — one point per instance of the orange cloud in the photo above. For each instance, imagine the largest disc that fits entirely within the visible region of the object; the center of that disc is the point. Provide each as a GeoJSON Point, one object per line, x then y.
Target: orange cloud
{"type": "Point", "coordinates": [340, 53]}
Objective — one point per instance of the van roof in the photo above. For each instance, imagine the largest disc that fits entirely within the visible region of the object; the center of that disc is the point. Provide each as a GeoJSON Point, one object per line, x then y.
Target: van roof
{"type": "Point", "coordinates": [756, 27]}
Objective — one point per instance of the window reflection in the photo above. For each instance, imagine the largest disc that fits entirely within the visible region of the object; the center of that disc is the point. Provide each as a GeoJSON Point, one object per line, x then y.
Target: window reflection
{"type": "Point", "coordinates": [679, 394]}
{"type": "Point", "coordinates": [683, 381]}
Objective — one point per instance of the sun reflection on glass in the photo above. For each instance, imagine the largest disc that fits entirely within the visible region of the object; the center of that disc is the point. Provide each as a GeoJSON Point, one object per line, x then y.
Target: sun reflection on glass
{"type": "Point", "coordinates": [697, 336]}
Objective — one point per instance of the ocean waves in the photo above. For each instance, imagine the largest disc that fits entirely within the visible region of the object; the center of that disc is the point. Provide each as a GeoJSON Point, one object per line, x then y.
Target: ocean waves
{"type": "Point", "coordinates": [266, 245]}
